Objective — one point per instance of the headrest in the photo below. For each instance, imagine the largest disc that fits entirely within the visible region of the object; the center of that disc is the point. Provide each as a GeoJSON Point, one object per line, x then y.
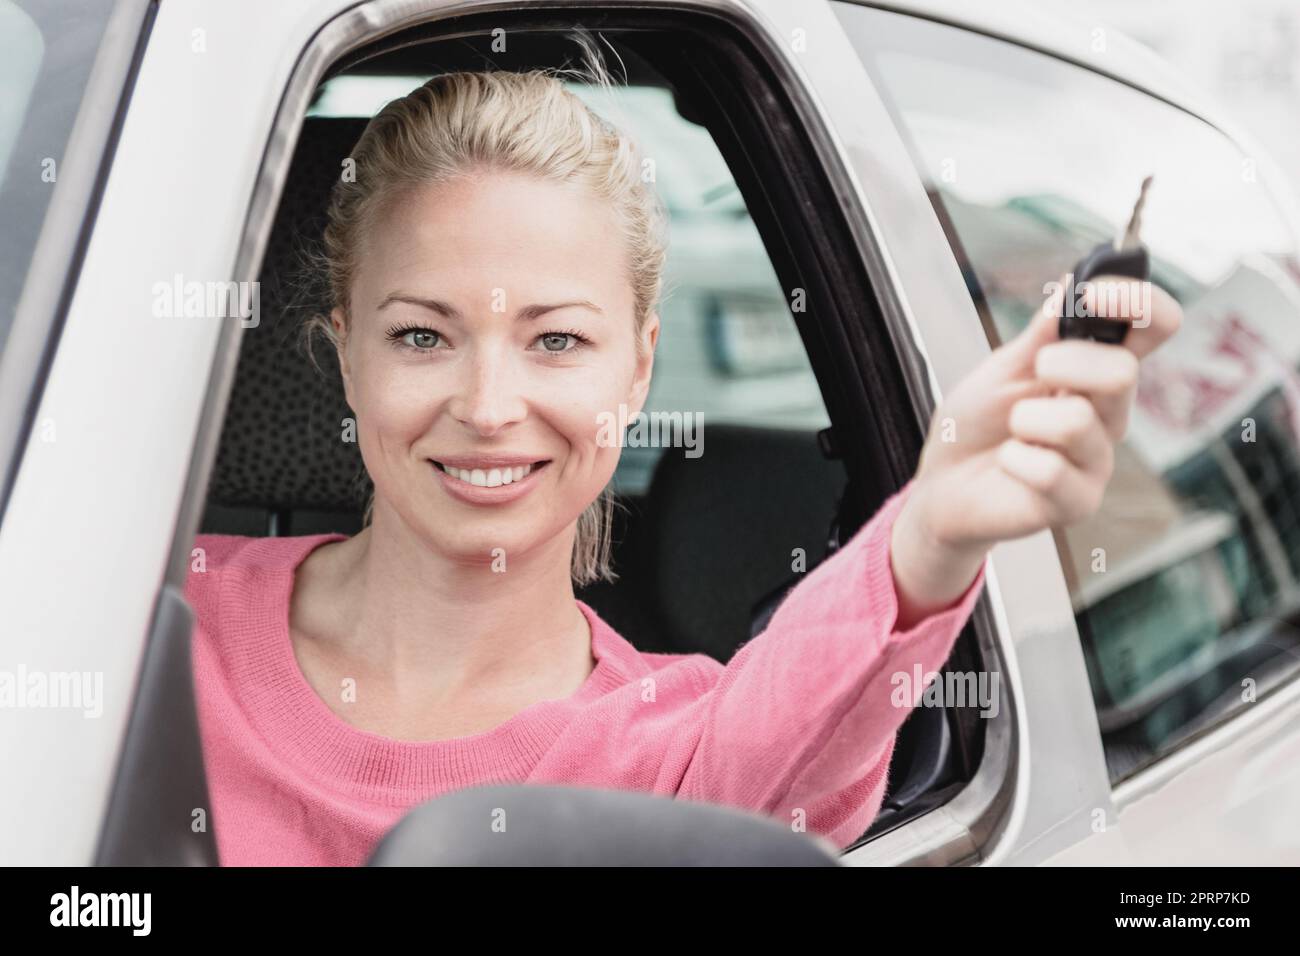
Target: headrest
{"type": "Point", "coordinates": [282, 443]}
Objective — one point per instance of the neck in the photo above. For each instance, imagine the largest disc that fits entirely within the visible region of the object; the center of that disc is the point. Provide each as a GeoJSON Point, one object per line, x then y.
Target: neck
{"type": "Point", "coordinates": [424, 621]}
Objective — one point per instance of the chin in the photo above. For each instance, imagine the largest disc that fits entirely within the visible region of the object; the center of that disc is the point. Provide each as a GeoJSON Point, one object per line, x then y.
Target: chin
{"type": "Point", "coordinates": [473, 542]}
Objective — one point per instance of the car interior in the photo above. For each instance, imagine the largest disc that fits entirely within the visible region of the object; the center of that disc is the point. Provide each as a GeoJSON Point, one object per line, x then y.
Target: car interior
{"type": "Point", "coordinates": [703, 550]}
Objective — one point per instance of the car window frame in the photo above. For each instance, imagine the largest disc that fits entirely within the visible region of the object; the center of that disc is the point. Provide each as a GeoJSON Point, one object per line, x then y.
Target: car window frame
{"type": "Point", "coordinates": [940, 835]}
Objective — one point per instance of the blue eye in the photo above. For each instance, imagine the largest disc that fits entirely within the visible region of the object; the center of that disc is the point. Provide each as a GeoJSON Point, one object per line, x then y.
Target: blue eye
{"type": "Point", "coordinates": [421, 340]}
{"type": "Point", "coordinates": [414, 337]}
{"type": "Point", "coordinates": [555, 341]}
{"type": "Point", "coordinates": [549, 339]}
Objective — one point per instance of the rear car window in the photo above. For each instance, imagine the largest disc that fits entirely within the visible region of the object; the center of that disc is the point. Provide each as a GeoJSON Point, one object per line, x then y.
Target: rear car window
{"type": "Point", "coordinates": [1186, 585]}
{"type": "Point", "coordinates": [47, 49]}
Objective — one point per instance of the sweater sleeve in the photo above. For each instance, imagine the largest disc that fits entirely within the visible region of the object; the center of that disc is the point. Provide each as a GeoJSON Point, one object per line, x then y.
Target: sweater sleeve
{"type": "Point", "coordinates": [800, 724]}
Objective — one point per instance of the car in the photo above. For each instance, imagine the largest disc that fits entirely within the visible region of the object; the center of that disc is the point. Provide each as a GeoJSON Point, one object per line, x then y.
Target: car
{"type": "Point", "coordinates": [866, 198]}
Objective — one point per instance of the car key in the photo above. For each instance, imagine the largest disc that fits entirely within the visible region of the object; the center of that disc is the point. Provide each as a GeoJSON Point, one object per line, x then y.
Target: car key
{"type": "Point", "coordinates": [1126, 256]}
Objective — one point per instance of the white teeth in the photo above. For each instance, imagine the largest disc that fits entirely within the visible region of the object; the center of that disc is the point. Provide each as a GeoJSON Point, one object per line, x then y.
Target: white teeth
{"type": "Point", "coordinates": [488, 477]}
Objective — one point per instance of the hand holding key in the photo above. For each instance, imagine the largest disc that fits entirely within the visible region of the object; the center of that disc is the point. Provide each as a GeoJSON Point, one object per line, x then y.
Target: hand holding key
{"type": "Point", "coordinates": [1026, 440]}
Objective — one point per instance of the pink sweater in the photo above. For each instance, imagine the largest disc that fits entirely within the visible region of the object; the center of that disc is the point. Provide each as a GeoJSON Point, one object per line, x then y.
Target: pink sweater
{"type": "Point", "coordinates": [798, 725]}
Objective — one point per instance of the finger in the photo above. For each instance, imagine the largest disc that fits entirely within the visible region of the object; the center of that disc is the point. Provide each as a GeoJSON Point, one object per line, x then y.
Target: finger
{"type": "Point", "coordinates": [1070, 424]}
{"type": "Point", "coordinates": [1086, 366]}
{"type": "Point", "coordinates": [1107, 376]}
{"type": "Point", "coordinates": [1016, 355]}
{"type": "Point", "coordinates": [1154, 314]}
{"type": "Point", "coordinates": [1063, 492]}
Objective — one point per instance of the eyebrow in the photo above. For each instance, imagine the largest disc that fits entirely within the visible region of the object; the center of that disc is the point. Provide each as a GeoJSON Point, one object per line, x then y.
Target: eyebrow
{"type": "Point", "coordinates": [433, 305]}
{"type": "Point", "coordinates": [534, 311]}
{"type": "Point", "coordinates": [527, 313]}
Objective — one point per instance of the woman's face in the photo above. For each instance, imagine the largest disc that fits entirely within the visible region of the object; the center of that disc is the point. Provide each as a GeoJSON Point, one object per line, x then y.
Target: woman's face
{"type": "Point", "coordinates": [491, 331]}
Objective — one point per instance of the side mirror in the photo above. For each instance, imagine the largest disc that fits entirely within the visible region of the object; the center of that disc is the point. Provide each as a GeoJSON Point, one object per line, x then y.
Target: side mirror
{"type": "Point", "coordinates": [549, 825]}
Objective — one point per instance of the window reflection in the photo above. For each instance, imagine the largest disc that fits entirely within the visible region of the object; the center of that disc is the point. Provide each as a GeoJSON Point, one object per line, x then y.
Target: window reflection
{"type": "Point", "coordinates": [1185, 584]}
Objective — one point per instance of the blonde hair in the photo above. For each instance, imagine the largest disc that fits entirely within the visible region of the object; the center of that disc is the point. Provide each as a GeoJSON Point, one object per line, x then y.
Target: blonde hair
{"type": "Point", "coordinates": [520, 122]}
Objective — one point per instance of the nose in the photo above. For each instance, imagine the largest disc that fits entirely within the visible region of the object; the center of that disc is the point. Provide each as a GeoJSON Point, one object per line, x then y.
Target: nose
{"type": "Point", "coordinates": [487, 396]}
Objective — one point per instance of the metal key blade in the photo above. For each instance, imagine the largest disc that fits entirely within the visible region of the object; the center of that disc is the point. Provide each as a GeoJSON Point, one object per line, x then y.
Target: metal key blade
{"type": "Point", "coordinates": [1130, 237]}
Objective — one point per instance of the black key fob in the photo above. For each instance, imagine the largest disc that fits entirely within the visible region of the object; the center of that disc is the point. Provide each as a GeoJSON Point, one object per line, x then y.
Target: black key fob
{"type": "Point", "coordinates": [1103, 260]}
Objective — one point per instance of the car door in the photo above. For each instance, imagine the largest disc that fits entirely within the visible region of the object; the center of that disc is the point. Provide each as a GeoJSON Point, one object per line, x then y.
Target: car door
{"type": "Point", "coordinates": [1183, 585]}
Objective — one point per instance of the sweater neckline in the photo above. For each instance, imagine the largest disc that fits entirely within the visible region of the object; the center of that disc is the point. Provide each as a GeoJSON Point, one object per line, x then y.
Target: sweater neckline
{"type": "Point", "coordinates": [301, 726]}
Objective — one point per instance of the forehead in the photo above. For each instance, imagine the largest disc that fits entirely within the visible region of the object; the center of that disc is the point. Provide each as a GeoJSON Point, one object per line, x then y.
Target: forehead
{"type": "Point", "coordinates": [494, 229]}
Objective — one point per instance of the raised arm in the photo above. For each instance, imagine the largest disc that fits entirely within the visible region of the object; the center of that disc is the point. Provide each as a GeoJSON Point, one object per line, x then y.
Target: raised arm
{"type": "Point", "coordinates": [801, 723]}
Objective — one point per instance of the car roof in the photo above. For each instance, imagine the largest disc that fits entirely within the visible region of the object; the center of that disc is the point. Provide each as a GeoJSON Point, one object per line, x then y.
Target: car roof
{"type": "Point", "coordinates": [1068, 36]}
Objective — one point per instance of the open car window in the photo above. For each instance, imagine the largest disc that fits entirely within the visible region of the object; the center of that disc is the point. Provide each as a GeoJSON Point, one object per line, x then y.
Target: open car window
{"type": "Point", "coordinates": [767, 325]}
{"type": "Point", "coordinates": [1185, 584]}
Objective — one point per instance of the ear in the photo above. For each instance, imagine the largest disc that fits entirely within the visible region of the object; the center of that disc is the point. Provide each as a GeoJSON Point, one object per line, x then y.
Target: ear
{"type": "Point", "coordinates": [644, 364]}
{"type": "Point", "coordinates": [340, 327]}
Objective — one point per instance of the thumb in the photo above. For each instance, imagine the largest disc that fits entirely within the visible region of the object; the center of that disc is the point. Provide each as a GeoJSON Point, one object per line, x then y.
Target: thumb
{"type": "Point", "coordinates": [1043, 327]}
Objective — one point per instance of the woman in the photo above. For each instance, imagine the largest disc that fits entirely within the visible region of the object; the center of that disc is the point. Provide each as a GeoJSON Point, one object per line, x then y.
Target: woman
{"type": "Point", "coordinates": [494, 269]}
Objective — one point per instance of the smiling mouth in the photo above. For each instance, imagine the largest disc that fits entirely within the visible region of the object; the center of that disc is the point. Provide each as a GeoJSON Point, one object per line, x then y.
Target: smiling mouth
{"type": "Point", "coordinates": [492, 477]}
